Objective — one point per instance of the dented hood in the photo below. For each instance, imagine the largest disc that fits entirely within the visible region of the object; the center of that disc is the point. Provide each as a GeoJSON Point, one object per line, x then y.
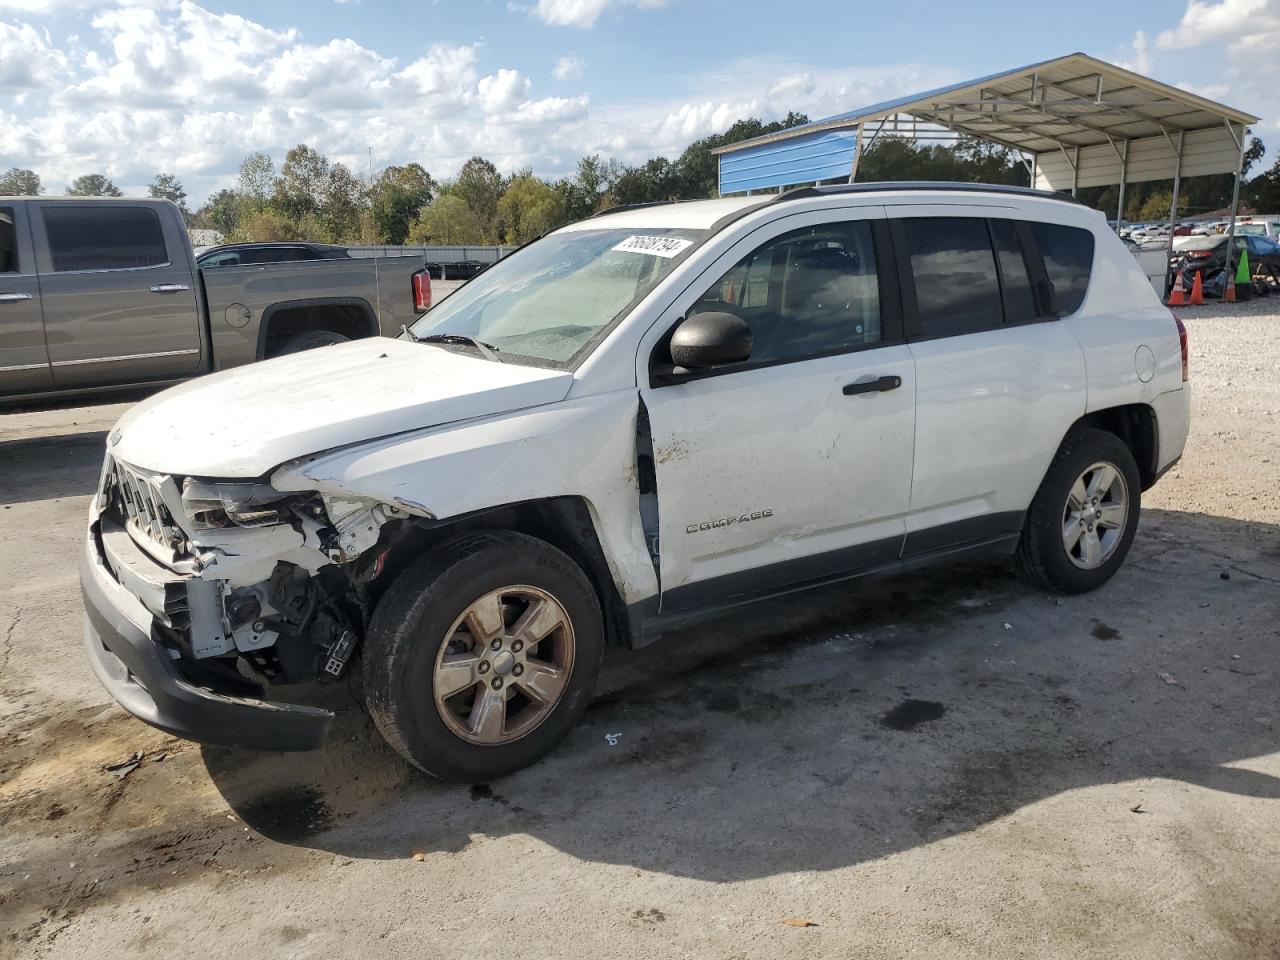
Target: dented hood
{"type": "Point", "coordinates": [243, 422]}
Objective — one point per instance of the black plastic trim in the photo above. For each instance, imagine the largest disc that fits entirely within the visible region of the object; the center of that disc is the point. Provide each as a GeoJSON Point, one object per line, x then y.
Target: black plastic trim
{"type": "Point", "coordinates": [264, 324]}
{"type": "Point", "coordinates": [885, 186]}
{"type": "Point", "coordinates": [140, 675]}
{"type": "Point", "coordinates": [963, 532]}
{"type": "Point", "coordinates": [649, 620]}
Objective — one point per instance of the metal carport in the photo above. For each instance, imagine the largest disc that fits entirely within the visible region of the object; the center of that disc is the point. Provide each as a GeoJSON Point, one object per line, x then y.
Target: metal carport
{"type": "Point", "coordinates": [1078, 121]}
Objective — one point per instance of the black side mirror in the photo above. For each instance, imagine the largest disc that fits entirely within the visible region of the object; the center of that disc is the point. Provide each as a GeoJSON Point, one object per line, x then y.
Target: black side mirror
{"type": "Point", "coordinates": [710, 340]}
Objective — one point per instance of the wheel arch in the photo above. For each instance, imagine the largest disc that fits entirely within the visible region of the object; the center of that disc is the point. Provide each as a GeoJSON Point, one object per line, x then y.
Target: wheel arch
{"type": "Point", "coordinates": [352, 317]}
{"type": "Point", "coordinates": [565, 522]}
{"type": "Point", "coordinates": [1136, 425]}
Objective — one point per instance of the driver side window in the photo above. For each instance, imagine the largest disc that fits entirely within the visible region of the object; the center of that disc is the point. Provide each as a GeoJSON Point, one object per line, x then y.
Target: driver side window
{"type": "Point", "coordinates": [807, 293]}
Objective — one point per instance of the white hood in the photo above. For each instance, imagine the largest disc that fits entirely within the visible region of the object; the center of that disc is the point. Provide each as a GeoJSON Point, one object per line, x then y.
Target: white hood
{"type": "Point", "coordinates": [243, 422]}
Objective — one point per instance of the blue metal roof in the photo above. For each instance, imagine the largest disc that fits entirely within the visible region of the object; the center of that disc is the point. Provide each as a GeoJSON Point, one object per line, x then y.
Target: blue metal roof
{"type": "Point", "coordinates": [819, 156]}
{"type": "Point", "coordinates": [815, 151]}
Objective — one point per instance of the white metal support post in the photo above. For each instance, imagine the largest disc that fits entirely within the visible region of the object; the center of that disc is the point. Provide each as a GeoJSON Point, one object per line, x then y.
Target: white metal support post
{"type": "Point", "coordinates": [1173, 212]}
{"type": "Point", "coordinates": [1235, 198]}
{"type": "Point", "coordinates": [857, 155]}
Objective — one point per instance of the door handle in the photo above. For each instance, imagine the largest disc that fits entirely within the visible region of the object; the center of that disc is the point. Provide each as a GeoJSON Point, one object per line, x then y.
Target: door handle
{"type": "Point", "coordinates": [872, 386]}
{"type": "Point", "coordinates": [169, 287]}
{"type": "Point", "coordinates": [14, 297]}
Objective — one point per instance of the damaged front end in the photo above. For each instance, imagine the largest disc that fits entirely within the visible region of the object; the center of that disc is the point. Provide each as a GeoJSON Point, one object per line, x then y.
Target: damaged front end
{"type": "Point", "coordinates": [247, 588]}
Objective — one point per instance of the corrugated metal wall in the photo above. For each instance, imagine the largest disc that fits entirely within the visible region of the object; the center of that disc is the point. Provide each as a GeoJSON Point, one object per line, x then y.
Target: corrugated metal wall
{"type": "Point", "coordinates": [1204, 152]}
{"type": "Point", "coordinates": [819, 156]}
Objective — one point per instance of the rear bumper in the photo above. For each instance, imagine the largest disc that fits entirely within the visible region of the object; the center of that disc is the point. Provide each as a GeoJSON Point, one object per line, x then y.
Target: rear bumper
{"type": "Point", "coordinates": [142, 676]}
{"type": "Point", "coordinates": [1173, 422]}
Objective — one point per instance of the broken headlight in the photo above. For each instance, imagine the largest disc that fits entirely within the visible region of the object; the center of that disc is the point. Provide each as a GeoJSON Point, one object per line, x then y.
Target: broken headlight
{"type": "Point", "coordinates": [210, 506]}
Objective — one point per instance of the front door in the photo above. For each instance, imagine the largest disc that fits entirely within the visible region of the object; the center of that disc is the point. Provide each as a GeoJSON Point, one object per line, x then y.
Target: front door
{"type": "Point", "coordinates": [24, 365]}
{"type": "Point", "coordinates": [794, 466]}
{"type": "Point", "coordinates": [118, 293]}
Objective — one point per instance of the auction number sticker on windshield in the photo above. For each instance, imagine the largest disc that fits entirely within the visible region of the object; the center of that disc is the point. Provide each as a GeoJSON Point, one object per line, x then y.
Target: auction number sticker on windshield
{"type": "Point", "coordinates": [665, 247]}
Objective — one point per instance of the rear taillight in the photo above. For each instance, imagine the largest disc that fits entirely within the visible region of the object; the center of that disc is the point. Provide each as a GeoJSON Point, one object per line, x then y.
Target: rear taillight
{"type": "Point", "coordinates": [1182, 342]}
{"type": "Point", "coordinates": [1199, 253]}
{"type": "Point", "coordinates": [421, 291]}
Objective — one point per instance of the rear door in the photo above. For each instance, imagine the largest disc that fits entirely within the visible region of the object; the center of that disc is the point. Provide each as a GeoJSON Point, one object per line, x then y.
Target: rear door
{"type": "Point", "coordinates": [24, 364]}
{"type": "Point", "coordinates": [998, 379]}
{"type": "Point", "coordinates": [117, 292]}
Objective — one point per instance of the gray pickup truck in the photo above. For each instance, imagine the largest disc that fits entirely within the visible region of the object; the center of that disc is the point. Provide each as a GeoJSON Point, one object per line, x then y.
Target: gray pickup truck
{"type": "Point", "coordinates": [104, 293]}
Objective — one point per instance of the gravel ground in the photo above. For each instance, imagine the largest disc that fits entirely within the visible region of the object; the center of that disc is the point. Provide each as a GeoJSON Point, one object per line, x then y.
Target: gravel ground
{"type": "Point", "coordinates": [948, 764]}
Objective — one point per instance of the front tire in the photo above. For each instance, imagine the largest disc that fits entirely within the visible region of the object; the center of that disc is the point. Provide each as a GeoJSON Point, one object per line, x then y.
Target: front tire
{"type": "Point", "coordinates": [482, 655]}
{"type": "Point", "coordinates": [1084, 516]}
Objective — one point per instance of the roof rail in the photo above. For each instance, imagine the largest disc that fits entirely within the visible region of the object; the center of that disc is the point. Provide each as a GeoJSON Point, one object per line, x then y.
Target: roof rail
{"type": "Point", "coordinates": [632, 206]}
{"type": "Point", "coordinates": [881, 186]}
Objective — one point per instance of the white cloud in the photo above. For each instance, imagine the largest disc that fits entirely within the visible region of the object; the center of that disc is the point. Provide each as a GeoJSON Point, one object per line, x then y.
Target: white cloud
{"type": "Point", "coordinates": [502, 90]}
{"type": "Point", "coordinates": [1206, 22]}
{"type": "Point", "coordinates": [28, 59]}
{"type": "Point", "coordinates": [568, 67]}
{"type": "Point", "coordinates": [582, 13]}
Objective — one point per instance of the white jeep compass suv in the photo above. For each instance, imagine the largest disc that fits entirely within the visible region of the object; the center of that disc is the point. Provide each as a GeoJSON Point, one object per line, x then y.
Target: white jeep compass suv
{"type": "Point", "coordinates": [651, 415]}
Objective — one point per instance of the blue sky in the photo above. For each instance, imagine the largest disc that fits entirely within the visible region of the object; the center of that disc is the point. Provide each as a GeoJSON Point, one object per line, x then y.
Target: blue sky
{"type": "Point", "coordinates": [191, 86]}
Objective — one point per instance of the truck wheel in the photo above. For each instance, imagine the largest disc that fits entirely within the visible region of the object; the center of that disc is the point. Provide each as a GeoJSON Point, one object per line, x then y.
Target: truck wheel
{"type": "Point", "coordinates": [482, 655]}
{"type": "Point", "coordinates": [308, 340]}
{"type": "Point", "coordinates": [1084, 516]}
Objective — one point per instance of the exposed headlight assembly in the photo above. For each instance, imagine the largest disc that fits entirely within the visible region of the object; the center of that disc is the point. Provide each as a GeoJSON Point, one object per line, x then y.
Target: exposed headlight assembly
{"type": "Point", "coordinates": [210, 506]}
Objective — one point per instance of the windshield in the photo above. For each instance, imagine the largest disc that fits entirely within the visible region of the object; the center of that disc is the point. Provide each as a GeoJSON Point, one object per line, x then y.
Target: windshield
{"type": "Point", "coordinates": [1252, 229]}
{"type": "Point", "coordinates": [550, 302]}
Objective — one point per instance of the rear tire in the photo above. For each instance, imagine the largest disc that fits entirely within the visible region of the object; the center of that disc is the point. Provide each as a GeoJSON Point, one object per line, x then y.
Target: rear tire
{"type": "Point", "coordinates": [308, 340]}
{"type": "Point", "coordinates": [444, 655]}
{"type": "Point", "coordinates": [1084, 516]}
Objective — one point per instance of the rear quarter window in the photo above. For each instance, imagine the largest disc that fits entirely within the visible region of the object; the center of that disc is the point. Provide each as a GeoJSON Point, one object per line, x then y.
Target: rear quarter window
{"type": "Point", "coordinates": [1068, 259]}
{"type": "Point", "coordinates": [104, 237]}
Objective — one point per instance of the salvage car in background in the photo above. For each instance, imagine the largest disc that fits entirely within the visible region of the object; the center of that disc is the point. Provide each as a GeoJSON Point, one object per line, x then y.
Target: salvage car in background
{"type": "Point", "coordinates": [101, 293]}
{"type": "Point", "coordinates": [641, 419]}
{"type": "Point", "coordinates": [1206, 256]}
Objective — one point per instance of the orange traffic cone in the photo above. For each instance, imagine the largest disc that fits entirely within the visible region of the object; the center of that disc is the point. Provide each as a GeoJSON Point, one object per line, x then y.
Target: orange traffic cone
{"type": "Point", "coordinates": [1230, 295]}
{"type": "Point", "coordinates": [1178, 297]}
{"type": "Point", "coordinates": [1197, 291]}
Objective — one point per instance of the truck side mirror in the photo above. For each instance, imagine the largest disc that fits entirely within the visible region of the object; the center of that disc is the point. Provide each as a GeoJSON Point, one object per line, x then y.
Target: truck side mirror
{"type": "Point", "coordinates": [707, 340]}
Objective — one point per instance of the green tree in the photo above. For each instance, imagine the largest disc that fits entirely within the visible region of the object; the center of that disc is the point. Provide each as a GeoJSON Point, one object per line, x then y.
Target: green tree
{"type": "Point", "coordinates": [93, 185]}
{"type": "Point", "coordinates": [166, 186]}
{"type": "Point", "coordinates": [221, 212]}
{"type": "Point", "coordinates": [1157, 206]}
{"type": "Point", "coordinates": [479, 186]}
{"type": "Point", "coordinates": [448, 219]}
{"type": "Point", "coordinates": [583, 193]}
{"type": "Point", "coordinates": [299, 190]}
{"type": "Point", "coordinates": [529, 208]}
{"type": "Point", "coordinates": [256, 181]}
{"type": "Point", "coordinates": [395, 198]}
{"type": "Point", "coordinates": [268, 225]}
{"type": "Point", "coordinates": [342, 202]}
{"type": "Point", "coordinates": [651, 182]}
{"type": "Point", "coordinates": [16, 182]}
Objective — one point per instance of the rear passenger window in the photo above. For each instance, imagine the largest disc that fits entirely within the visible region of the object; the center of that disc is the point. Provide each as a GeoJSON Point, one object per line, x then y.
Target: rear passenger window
{"type": "Point", "coordinates": [1015, 282]}
{"type": "Point", "coordinates": [957, 290]}
{"type": "Point", "coordinates": [809, 292]}
{"type": "Point", "coordinates": [107, 237]}
{"type": "Point", "coordinates": [1068, 259]}
{"type": "Point", "coordinates": [8, 242]}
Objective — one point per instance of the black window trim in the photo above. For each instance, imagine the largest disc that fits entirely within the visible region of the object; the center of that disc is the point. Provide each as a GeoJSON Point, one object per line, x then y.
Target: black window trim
{"type": "Point", "coordinates": [662, 374]}
{"type": "Point", "coordinates": [1032, 249]}
{"type": "Point", "coordinates": [44, 228]}
{"type": "Point", "coordinates": [1030, 257]}
{"type": "Point", "coordinates": [12, 209]}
